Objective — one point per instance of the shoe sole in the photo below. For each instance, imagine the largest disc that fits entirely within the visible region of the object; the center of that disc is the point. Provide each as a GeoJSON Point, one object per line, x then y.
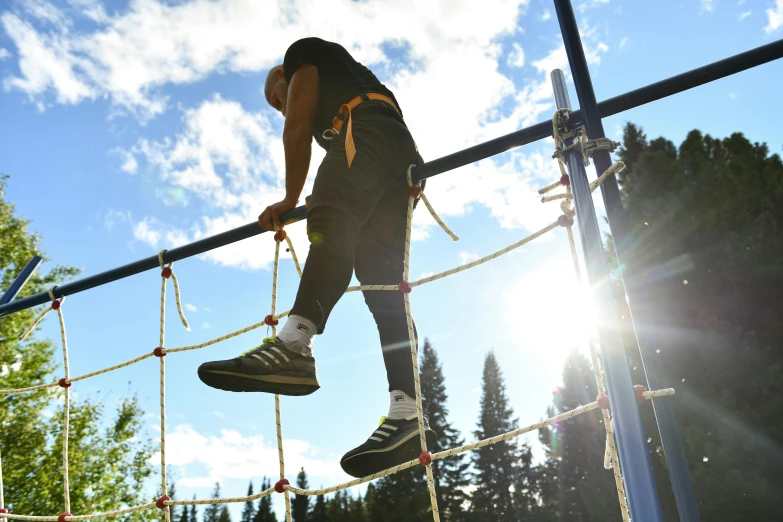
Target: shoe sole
{"type": "Point", "coordinates": [283, 383]}
{"type": "Point", "coordinates": [372, 461]}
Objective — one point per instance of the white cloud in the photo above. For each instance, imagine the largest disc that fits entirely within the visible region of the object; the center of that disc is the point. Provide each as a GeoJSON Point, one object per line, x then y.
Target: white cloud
{"type": "Point", "coordinates": [623, 42]}
{"type": "Point", "coordinates": [733, 96]}
{"type": "Point", "coordinates": [467, 257]}
{"type": "Point", "coordinates": [191, 308]}
{"type": "Point", "coordinates": [132, 55]}
{"type": "Point", "coordinates": [516, 58]}
{"type": "Point", "coordinates": [231, 160]}
{"type": "Point", "coordinates": [232, 455]}
{"type": "Point", "coordinates": [4, 53]}
{"type": "Point", "coordinates": [707, 5]}
{"type": "Point", "coordinates": [113, 217]}
{"type": "Point", "coordinates": [546, 15]}
{"type": "Point", "coordinates": [206, 326]}
{"type": "Point", "coordinates": [744, 15]}
{"type": "Point", "coordinates": [774, 17]}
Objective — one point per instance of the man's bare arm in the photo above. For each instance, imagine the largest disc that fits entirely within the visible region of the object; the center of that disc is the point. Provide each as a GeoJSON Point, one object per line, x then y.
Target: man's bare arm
{"type": "Point", "coordinates": [297, 132]}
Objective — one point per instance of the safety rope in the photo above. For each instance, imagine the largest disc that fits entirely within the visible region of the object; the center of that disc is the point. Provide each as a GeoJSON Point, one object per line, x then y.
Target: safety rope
{"type": "Point", "coordinates": [426, 458]}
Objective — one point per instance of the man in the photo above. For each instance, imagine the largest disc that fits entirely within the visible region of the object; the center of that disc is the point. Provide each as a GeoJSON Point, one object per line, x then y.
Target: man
{"type": "Point", "coordinates": [356, 220]}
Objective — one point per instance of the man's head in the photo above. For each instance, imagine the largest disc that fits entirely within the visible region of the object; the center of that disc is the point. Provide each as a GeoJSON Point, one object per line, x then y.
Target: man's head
{"type": "Point", "coordinates": [276, 89]}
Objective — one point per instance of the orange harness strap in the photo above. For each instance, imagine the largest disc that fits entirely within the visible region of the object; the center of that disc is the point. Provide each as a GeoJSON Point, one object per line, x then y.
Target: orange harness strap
{"type": "Point", "coordinates": [344, 115]}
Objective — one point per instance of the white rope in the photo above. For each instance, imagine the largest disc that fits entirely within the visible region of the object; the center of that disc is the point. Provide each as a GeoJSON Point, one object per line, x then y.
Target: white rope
{"type": "Point", "coordinates": [415, 348]}
{"type": "Point", "coordinates": [278, 423]}
{"type": "Point", "coordinates": [426, 457]}
{"type": "Point", "coordinates": [170, 271]}
{"type": "Point", "coordinates": [67, 396]}
{"type": "Point", "coordinates": [162, 357]}
{"type": "Point", "coordinates": [434, 214]}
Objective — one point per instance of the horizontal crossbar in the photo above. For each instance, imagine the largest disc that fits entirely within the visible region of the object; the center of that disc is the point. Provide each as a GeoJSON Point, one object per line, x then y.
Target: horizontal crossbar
{"type": "Point", "coordinates": [656, 91]}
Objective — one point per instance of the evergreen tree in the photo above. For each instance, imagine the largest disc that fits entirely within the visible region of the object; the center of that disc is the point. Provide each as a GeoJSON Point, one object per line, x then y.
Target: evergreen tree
{"type": "Point", "coordinates": [248, 510]}
{"type": "Point", "coordinates": [451, 474]}
{"type": "Point", "coordinates": [584, 490]}
{"type": "Point", "coordinates": [212, 511]}
{"type": "Point", "coordinates": [184, 515]}
{"type": "Point", "coordinates": [706, 219]}
{"type": "Point", "coordinates": [319, 508]}
{"type": "Point", "coordinates": [504, 464]}
{"type": "Point", "coordinates": [300, 504]}
{"type": "Point", "coordinates": [224, 515]}
{"type": "Point", "coordinates": [193, 512]}
{"type": "Point", "coordinates": [336, 507]}
{"type": "Point", "coordinates": [108, 454]}
{"type": "Point", "coordinates": [264, 513]}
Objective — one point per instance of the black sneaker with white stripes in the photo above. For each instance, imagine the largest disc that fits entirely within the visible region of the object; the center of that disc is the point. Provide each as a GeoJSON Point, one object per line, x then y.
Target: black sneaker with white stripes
{"type": "Point", "coordinates": [272, 367]}
{"type": "Point", "coordinates": [394, 442]}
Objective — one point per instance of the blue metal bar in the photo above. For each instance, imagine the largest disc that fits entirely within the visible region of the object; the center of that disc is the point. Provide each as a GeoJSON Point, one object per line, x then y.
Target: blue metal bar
{"type": "Point", "coordinates": [734, 64]}
{"type": "Point", "coordinates": [21, 280]}
{"type": "Point", "coordinates": [643, 503]}
{"type": "Point", "coordinates": [638, 322]}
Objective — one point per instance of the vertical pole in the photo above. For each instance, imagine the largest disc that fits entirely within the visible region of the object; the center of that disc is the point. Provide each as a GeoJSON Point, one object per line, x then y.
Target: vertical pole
{"type": "Point", "coordinates": [21, 280]}
{"type": "Point", "coordinates": [643, 502]}
{"type": "Point", "coordinates": [639, 320]}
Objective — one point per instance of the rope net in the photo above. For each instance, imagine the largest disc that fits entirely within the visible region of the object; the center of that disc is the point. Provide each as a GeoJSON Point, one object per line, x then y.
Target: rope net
{"type": "Point", "coordinates": [426, 458]}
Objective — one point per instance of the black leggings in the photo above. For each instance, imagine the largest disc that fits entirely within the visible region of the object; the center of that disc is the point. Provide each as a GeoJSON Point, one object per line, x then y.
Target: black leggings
{"type": "Point", "coordinates": [368, 237]}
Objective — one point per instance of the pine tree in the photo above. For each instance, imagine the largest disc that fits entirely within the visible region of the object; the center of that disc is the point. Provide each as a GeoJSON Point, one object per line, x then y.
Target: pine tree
{"type": "Point", "coordinates": [184, 515]}
{"type": "Point", "coordinates": [584, 489]}
{"type": "Point", "coordinates": [264, 513]}
{"type": "Point", "coordinates": [706, 219]}
{"type": "Point", "coordinates": [224, 514]}
{"type": "Point", "coordinates": [248, 510]}
{"type": "Point", "coordinates": [451, 474]}
{"type": "Point", "coordinates": [319, 508]}
{"type": "Point", "coordinates": [193, 512]}
{"type": "Point", "coordinates": [504, 464]}
{"type": "Point", "coordinates": [300, 504]}
{"type": "Point", "coordinates": [212, 511]}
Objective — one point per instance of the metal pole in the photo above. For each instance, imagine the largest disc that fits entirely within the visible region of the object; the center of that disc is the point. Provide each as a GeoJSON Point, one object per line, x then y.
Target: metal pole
{"type": "Point", "coordinates": [623, 102]}
{"type": "Point", "coordinates": [643, 503]}
{"type": "Point", "coordinates": [21, 280]}
{"type": "Point", "coordinates": [638, 321]}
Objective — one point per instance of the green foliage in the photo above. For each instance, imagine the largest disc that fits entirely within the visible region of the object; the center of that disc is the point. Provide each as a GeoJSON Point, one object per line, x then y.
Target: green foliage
{"type": "Point", "coordinates": [300, 504]}
{"type": "Point", "coordinates": [318, 514]}
{"type": "Point", "coordinates": [501, 465]}
{"type": "Point", "coordinates": [212, 511]}
{"type": "Point", "coordinates": [264, 513]}
{"type": "Point", "coordinates": [248, 509]}
{"type": "Point", "coordinates": [451, 474]}
{"type": "Point", "coordinates": [108, 463]}
{"type": "Point", "coordinates": [706, 219]}
{"type": "Point", "coordinates": [582, 489]}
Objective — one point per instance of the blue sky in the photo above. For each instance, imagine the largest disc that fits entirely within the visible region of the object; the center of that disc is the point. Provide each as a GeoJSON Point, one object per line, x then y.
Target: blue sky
{"type": "Point", "coordinates": [142, 126]}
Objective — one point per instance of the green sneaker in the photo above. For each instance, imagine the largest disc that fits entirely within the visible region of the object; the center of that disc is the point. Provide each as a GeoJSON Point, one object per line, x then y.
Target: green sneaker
{"type": "Point", "coordinates": [271, 368]}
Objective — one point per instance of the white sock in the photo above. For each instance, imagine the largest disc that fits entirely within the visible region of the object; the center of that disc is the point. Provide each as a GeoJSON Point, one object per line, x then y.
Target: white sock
{"type": "Point", "coordinates": [297, 333]}
{"type": "Point", "coordinates": [401, 405]}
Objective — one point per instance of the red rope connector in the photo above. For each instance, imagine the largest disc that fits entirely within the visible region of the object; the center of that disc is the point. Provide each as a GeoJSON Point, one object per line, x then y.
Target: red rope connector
{"type": "Point", "coordinates": [269, 320]}
{"type": "Point", "coordinates": [166, 272]}
{"type": "Point", "coordinates": [565, 221]}
{"type": "Point", "coordinates": [565, 180]}
{"type": "Point", "coordinates": [425, 459]}
{"type": "Point", "coordinates": [280, 485]}
{"type": "Point", "coordinates": [414, 191]}
{"type": "Point", "coordinates": [64, 384]}
{"type": "Point", "coordinates": [56, 304]}
{"type": "Point", "coordinates": [603, 401]}
{"type": "Point", "coordinates": [405, 287]}
{"type": "Point", "coordinates": [639, 389]}
{"type": "Point", "coordinates": [159, 352]}
{"type": "Point", "coordinates": [4, 511]}
{"type": "Point", "coordinates": [161, 500]}
{"type": "Point", "coordinates": [280, 235]}
{"type": "Point", "coordinates": [61, 517]}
